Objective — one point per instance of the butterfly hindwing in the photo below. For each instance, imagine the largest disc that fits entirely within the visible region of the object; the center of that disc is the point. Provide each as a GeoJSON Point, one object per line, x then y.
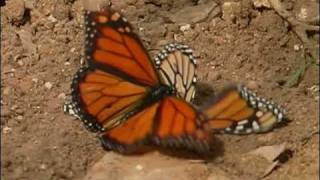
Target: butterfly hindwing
{"type": "Point", "coordinates": [170, 123]}
{"type": "Point", "coordinates": [238, 110]}
{"type": "Point", "coordinates": [112, 45]}
{"type": "Point", "coordinates": [179, 125]}
{"type": "Point", "coordinates": [177, 68]}
{"type": "Point", "coordinates": [134, 132]}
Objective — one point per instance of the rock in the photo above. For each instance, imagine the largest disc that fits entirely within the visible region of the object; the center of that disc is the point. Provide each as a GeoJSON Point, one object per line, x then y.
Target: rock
{"type": "Point", "coordinates": [184, 28]}
{"type": "Point", "coordinates": [6, 91]}
{"type": "Point", "coordinates": [15, 11]}
{"type": "Point", "coordinates": [193, 14]}
{"type": "Point", "coordinates": [296, 47]}
{"type": "Point", "coordinates": [43, 166]}
{"type": "Point", "coordinates": [139, 167]}
{"type": "Point", "coordinates": [152, 166]}
{"type": "Point", "coordinates": [230, 10]}
{"type": "Point", "coordinates": [269, 152]}
{"type": "Point", "coordinates": [253, 85]}
{"type": "Point", "coordinates": [20, 63]}
{"type": "Point", "coordinates": [48, 85]}
{"type": "Point", "coordinates": [35, 80]}
{"type": "Point", "coordinates": [29, 4]}
{"type": "Point", "coordinates": [52, 19]}
{"type": "Point", "coordinates": [62, 96]}
{"type": "Point", "coordinates": [261, 3]}
{"type": "Point", "coordinates": [6, 130]}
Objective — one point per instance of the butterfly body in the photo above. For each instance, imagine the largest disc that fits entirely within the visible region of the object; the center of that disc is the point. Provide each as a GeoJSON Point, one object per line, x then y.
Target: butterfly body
{"type": "Point", "coordinates": [131, 101]}
{"type": "Point", "coordinates": [160, 92]}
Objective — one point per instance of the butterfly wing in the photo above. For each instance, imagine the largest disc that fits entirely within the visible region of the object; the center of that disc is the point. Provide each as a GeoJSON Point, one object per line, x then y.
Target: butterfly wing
{"type": "Point", "coordinates": [102, 100]}
{"type": "Point", "coordinates": [238, 110]}
{"type": "Point", "coordinates": [173, 122]}
{"type": "Point", "coordinates": [112, 46]}
{"type": "Point", "coordinates": [134, 132]}
{"type": "Point", "coordinates": [179, 125]}
{"type": "Point", "coordinates": [119, 64]}
{"type": "Point", "coordinates": [177, 68]}
{"type": "Point", "coordinates": [170, 123]}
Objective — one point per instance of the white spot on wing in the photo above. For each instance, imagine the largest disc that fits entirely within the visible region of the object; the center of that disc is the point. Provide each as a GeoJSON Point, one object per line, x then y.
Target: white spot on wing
{"type": "Point", "coordinates": [255, 126]}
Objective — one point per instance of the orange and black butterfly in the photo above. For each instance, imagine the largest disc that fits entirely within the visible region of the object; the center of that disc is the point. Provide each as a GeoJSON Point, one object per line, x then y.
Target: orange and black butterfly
{"type": "Point", "coordinates": [131, 100]}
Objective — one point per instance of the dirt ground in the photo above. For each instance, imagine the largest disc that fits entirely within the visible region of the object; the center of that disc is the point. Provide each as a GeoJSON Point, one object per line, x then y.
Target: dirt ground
{"type": "Point", "coordinates": [42, 47]}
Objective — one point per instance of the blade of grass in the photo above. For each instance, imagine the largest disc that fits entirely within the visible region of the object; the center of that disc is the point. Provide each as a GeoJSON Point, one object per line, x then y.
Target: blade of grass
{"type": "Point", "coordinates": [296, 76]}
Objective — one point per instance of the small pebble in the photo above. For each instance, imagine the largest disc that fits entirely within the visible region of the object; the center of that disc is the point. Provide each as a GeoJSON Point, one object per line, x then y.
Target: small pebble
{"type": "Point", "coordinates": [6, 130]}
{"type": "Point", "coordinates": [139, 167]}
{"type": "Point", "coordinates": [43, 167]}
{"type": "Point", "coordinates": [19, 117]}
{"type": "Point", "coordinates": [253, 85]}
{"type": "Point", "coordinates": [82, 61]}
{"type": "Point", "coordinates": [35, 80]}
{"type": "Point", "coordinates": [52, 19]}
{"type": "Point", "coordinates": [72, 50]}
{"type": "Point", "coordinates": [62, 96]}
{"type": "Point", "coordinates": [14, 107]}
{"type": "Point", "coordinates": [20, 63]}
{"type": "Point", "coordinates": [185, 27]}
{"type": "Point", "coordinates": [296, 47]}
{"type": "Point", "coordinates": [48, 85]}
{"type": "Point", "coordinates": [314, 88]}
{"type": "Point", "coordinates": [6, 91]}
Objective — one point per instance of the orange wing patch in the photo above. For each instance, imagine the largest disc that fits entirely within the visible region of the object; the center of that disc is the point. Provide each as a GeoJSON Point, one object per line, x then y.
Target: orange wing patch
{"type": "Point", "coordinates": [240, 111]}
{"type": "Point", "coordinates": [107, 98]}
{"type": "Point", "coordinates": [111, 43]}
{"type": "Point", "coordinates": [132, 133]}
{"type": "Point", "coordinates": [178, 126]}
{"type": "Point", "coordinates": [230, 109]}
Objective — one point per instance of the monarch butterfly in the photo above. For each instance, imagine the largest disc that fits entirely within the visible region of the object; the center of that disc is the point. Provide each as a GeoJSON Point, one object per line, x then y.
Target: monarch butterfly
{"type": "Point", "coordinates": [130, 100]}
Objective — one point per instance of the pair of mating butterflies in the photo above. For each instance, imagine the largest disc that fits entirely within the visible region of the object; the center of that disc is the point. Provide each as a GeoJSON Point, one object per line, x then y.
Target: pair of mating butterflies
{"type": "Point", "coordinates": [131, 101]}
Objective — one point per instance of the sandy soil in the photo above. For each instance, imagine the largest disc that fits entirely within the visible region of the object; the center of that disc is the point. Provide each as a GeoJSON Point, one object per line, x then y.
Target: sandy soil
{"type": "Point", "coordinates": [42, 47]}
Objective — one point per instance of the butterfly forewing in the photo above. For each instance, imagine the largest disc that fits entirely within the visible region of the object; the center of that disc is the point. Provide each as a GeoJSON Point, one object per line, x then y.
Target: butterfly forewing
{"type": "Point", "coordinates": [102, 99]}
{"type": "Point", "coordinates": [111, 45]}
